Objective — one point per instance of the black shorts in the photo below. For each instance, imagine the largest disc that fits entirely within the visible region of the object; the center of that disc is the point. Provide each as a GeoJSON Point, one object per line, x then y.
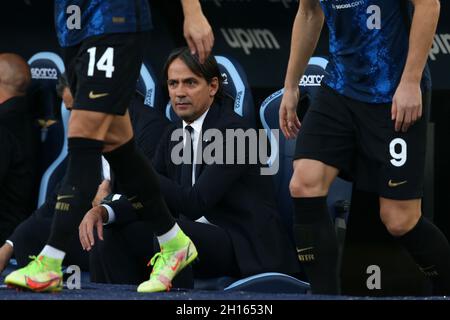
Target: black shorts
{"type": "Point", "coordinates": [359, 139]}
{"type": "Point", "coordinates": [103, 71]}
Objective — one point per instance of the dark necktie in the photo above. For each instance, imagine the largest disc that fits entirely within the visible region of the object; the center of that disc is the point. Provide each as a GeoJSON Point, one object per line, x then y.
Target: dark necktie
{"type": "Point", "coordinates": [188, 156]}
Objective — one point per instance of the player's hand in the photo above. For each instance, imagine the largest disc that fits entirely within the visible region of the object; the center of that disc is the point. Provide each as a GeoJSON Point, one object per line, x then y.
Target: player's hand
{"type": "Point", "coordinates": [406, 105]}
{"type": "Point", "coordinates": [198, 34]}
{"type": "Point", "coordinates": [289, 122]}
{"type": "Point", "coordinates": [93, 218]}
{"type": "Point", "coordinates": [103, 190]}
{"type": "Point", "coordinates": [6, 252]}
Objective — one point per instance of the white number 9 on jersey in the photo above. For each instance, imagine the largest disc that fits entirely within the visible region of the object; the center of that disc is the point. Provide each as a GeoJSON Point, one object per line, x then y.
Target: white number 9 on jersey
{"type": "Point", "coordinates": [399, 158]}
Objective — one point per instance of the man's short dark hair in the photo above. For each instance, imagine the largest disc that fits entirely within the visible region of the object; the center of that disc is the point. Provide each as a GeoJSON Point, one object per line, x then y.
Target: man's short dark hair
{"type": "Point", "coordinates": [208, 70]}
{"type": "Point", "coordinates": [62, 83]}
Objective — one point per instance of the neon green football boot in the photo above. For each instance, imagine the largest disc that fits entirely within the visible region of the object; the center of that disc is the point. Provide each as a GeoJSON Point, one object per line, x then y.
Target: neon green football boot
{"type": "Point", "coordinates": [175, 255]}
{"type": "Point", "coordinates": [42, 274]}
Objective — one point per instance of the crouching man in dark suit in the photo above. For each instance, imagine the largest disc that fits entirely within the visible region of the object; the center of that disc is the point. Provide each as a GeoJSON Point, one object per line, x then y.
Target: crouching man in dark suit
{"type": "Point", "coordinates": [227, 209]}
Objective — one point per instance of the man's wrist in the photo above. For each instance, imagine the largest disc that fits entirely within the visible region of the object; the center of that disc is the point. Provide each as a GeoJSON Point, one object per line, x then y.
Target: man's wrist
{"type": "Point", "coordinates": [289, 90]}
{"type": "Point", "coordinates": [104, 214]}
{"type": "Point", "coordinates": [109, 213]}
{"type": "Point", "coordinates": [411, 77]}
{"type": "Point", "coordinates": [410, 82]}
{"type": "Point", "coordinates": [191, 7]}
{"type": "Point", "coordinates": [291, 85]}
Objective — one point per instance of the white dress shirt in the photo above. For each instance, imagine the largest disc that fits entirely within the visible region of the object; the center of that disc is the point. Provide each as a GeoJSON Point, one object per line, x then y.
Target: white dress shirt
{"type": "Point", "coordinates": [197, 126]}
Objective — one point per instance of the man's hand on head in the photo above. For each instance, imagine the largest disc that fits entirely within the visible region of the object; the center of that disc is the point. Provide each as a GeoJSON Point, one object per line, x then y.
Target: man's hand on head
{"type": "Point", "coordinates": [197, 30]}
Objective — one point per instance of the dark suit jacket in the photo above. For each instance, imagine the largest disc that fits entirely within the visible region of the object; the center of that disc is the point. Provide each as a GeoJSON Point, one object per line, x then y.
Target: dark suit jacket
{"type": "Point", "coordinates": [234, 197]}
{"type": "Point", "coordinates": [17, 169]}
{"type": "Point", "coordinates": [148, 125]}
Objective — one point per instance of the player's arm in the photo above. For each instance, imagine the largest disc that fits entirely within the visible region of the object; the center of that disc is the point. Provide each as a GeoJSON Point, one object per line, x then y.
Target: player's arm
{"type": "Point", "coordinates": [197, 31]}
{"type": "Point", "coordinates": [407, 101]}
{"type": "Point", "coordinates": [305, 35]}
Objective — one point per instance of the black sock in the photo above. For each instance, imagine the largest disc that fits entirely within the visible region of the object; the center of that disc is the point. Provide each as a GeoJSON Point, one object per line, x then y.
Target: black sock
{"type": "Point", "coordinates": [140, 183]}
{"type": "Point", "coordinates": [431, 251]}
{"type": "Point", "coordinates": [317, 244]}
{"type": "Point", "coordinates": [78, 188]}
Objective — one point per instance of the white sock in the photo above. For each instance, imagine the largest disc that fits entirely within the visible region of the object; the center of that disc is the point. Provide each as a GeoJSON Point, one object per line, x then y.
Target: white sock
{"type": "Point", "coordinates": [52, 252]}
{"type": "Point", "coordinates": [169, 235]}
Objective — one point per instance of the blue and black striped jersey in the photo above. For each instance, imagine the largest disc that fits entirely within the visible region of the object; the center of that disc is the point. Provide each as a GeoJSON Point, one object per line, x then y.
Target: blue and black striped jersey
{"type": "Point", "coordinates": [76, 20]}
{"type": "Point", "coordinates": [369, 42]}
